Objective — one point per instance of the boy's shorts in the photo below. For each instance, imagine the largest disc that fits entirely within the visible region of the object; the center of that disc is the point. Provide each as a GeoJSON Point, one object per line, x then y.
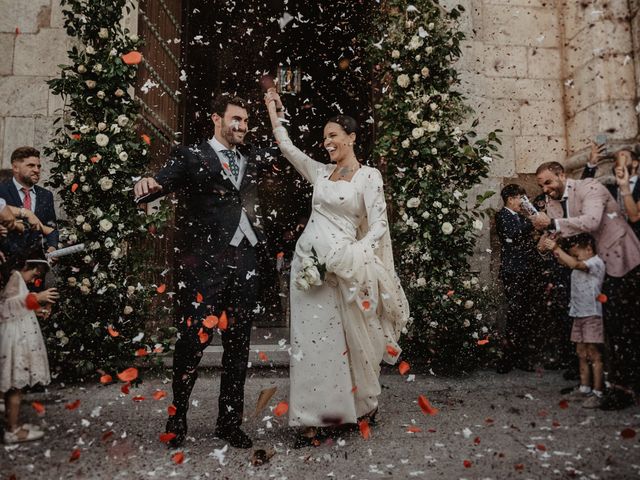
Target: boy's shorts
{"type": "Point", "coordinates": [587, 330]}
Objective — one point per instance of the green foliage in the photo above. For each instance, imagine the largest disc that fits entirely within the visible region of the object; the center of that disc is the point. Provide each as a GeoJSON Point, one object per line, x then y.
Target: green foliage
{"type": "Point", "coordinates": [96, 154]}
{"type": "Point", "coordinates": [433, 161]}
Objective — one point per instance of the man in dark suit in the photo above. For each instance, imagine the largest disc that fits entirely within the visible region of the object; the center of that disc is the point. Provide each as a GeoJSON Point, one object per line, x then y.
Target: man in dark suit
{"type": "Point", "coordinates": [219, 233]}
{"type": "Point", "coordinates": [23, 192]}
{"type": "Point", "coordinates": [517, 259]}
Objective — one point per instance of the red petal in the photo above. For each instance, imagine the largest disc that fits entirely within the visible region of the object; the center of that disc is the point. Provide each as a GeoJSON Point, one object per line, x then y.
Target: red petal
{"type": "Point", "coordinates": [106, 435]}
{"type": "Point", "coordinates": [161, 288]}
{"type": "Point", "coordinates": [426, 406]}
{"type": "Point", "coordinates": [224, 322]}
{"type": "Point", "coordinates": [602, 298]}
{"type": "Point", "coordinates": [199, 297]}
{"type": "Point", "coordinates": [413, 429]}
{"type": "Point", "coordinates": [132, 58]}
{"type": "Point", "coordinates": [38, 407]}
{"type": "Point", "coordinates": [128, 375]}
{"type": "Point", "coordinates": [519, 466]}
{"type": "Point", "coordinates": [263, 356]}
{"type": "Point", "coordinates": [541, 447]}
{"type": "Point", "coordinates": [563, 404]}
{"type": "Point", "coordinates": [484, 341]}
{"type": "Point", "coordinates": [281, 409]}
{"type": "Point", "coordinates": [354, 389]}
{"type": "Point", "coordinates": [138, 398]}
{"type": "Point", "coordinates": [204, 336]}
{"type": "Point", "coordinates": [166, 437]}
{"type": "Point", "coordinates": [74, 187]}
{"type": "Point", "coordinates": [171, 410]}
{"type": "Point", "coordinates": [75, 455]}
{"type": "Point", "coordinates": [125, 388]}
{"type": "Point", "coordinates": [366, 304]}
{"type": "Point", "coordinates": [141, 352]}
{"type": "Point", "coordinates": [159, 394]}
{"type": "Point", "coordinates": [392, 351]}
{"type": "Point", "coordinates": [365, 431]}
{"type": "Point", "coordinates": [404, 367]}
{"type": "Point", "coordinates": [114, 333]}
{"type": "Point", "coordinates": [476, 441]}
{"type": "Point", "coordinates": [467, 463]}
{"type": "Point", "coordinates": [210, 321]}
{"type": "Point", "coordinates": [628, 433]}
{"type": "Point", "coordinates": [72, 405]}
{"type": "Point", "coordinates": [31, 302]}
{"type": "Point", "coordinates": [146, 138]}
{"type": "Point", "coordinates": [178, 458]}
{"type": "Point", "coordinates": [106, 378]}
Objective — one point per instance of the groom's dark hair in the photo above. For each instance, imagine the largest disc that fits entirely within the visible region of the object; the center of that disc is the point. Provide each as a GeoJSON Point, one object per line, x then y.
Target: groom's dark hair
{"type": "Point", "coordinates": [219, 103]}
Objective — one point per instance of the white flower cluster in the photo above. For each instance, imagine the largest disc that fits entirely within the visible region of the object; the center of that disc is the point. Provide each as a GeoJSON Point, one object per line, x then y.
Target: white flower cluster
{"type": "Point", "coordinates": [308, 275]}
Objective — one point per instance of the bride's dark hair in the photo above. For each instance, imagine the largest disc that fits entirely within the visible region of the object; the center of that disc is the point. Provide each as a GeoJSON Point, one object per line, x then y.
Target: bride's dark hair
{"type": "Point", "coordinates": [347, 123]}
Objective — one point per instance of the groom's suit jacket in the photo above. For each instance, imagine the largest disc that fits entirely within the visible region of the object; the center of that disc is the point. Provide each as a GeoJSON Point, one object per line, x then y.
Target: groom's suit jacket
{"type": "Point", "coordinates": [210, 206]}
{"type": "Point", "coordinates": [592, 209]}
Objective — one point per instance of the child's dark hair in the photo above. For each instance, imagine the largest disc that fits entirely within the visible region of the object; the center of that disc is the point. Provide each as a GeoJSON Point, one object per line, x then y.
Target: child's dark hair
{"type": "Point", "coordinates": [582, 240]}
{"type": "Point", "coordinates": [510, 191]}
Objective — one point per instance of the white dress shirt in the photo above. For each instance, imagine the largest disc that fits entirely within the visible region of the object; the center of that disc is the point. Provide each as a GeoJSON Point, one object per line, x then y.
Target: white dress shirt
{"type": "Point", "coordinates": [32, 194]}
{"type": "Point", "coordinates": [244, 227]}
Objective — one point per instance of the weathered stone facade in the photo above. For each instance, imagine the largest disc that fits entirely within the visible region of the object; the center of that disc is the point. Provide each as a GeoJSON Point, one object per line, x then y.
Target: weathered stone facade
{"type": "Point", "coordinates": [549, 73]}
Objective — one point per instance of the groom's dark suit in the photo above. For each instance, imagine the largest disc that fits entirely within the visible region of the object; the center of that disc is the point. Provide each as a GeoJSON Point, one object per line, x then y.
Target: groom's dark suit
{"type": "Point", "coordinates": [210, 208]}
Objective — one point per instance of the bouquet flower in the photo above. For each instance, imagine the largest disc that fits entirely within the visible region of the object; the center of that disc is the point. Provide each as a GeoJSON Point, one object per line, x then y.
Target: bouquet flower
{"type": "Point", "coordinates": [311, 273]}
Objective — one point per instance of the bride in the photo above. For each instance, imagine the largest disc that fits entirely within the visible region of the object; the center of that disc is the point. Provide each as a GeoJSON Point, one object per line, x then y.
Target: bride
{"type": "Point", "coordinates": [344, 325]}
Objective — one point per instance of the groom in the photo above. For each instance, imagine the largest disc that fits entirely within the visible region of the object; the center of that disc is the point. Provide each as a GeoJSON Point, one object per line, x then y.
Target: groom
{"type": "Point", "coordinates": [219, 232]}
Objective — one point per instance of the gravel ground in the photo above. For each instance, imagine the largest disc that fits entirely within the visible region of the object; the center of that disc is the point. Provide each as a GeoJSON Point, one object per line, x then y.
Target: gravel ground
{"type": "Point", "coordinates": [489, 427]}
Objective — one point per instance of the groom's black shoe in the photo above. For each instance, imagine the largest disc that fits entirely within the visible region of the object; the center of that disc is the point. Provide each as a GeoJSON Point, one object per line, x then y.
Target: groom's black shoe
{"type": "Point", "coordinates": [236, 437]}
{"type": "Point", "coordinates": [178, 425]}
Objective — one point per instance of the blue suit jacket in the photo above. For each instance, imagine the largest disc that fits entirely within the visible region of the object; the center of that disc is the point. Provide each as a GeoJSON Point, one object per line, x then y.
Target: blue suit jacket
{"type": "Point", "coordinates": [44, 211]}
{"type": "Point", "coordinates": [517, 248]}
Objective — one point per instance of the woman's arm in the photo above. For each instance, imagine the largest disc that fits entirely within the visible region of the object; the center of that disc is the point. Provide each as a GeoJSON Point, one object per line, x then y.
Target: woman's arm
{"type": "Point", "coordinates": [632, 209]}
{"type": "Point", "coordinates": [305, 165]}
{"type": "Point", "coordinates": [376, 207]}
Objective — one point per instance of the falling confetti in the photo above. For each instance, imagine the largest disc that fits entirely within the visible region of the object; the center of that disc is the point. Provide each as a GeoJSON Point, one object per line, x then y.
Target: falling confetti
{"type": "Point", "coordinates": [426, 407]}
{"type": "Point", "coordinates": [281, 409]}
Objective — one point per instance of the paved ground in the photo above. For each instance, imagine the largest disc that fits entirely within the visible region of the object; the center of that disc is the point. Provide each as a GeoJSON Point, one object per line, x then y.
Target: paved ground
{"type": "Point", "coordinates": [510, 426]}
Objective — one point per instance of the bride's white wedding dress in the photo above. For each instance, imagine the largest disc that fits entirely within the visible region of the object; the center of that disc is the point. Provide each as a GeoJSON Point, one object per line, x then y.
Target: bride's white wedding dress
{"type": "Point", "coordinates": [342, 330]}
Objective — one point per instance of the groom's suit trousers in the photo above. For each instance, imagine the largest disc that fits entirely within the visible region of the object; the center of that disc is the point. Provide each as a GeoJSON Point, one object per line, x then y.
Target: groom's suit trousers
{"type": "Point", "coordinates": [227, 281]}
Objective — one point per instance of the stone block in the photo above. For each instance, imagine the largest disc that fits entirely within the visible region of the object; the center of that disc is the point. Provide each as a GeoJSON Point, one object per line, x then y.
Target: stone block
{"type": "Point", "coordinates": [531, 151]}
{"type": "Point", "coordinates": [617, 118]}
{"type": "Point", "coordinates": [18, 131]}
{"type": "Point", "coordinates": [607, 79]}
{"type": "Point", "coordinates": [515, 25]}
{"type": "Point", "coordinates": [466, 20]}
{"type": "Point", "coordinates": [43, 132]}
{"type": "Point", "coordinates": [543, 118]}
{"type": "Point", "coordinates": [603, 39]}
{"type": "Point", "coordinates": [504, 61]}
{"type": "Point", "coordinates": [57, 17]}
{"type": "Point", "coordinates": [55, 106]}
{"type": "Point", "coordinates": [580, 16]}
{"type": "Point", "coordinates": [23, 96]}
{"type": "Point", "coordinates": [6, 47]}
{"type": "Point", "coordinates": [524, 3]}
{"type": "Point", "coordinates": [2, 159]}
{"type": "Point", "coordinates": [505, 165]}
{"type": "Point", "coordinates": [544, 63]}
{"type": "Point", "coordinates": [28, 15]}
{"type": "Point", "coordinates": [497, 114]}
{"type": "Point", "coordinates": [40, 54]}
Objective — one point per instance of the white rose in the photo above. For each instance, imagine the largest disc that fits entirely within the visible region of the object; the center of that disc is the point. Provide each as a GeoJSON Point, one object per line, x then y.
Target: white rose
{"type": "Point", "coordinates": [119, 92]}
{"type": "Point", "coordinates": [82, 69]}
{"type": "Point", "coordinates": [431, 26]}
{"type": "Point", "coordinates": [102, 126]}
{"type": "Point", "coordinates": [437, 204]}
{"type": "Point", "coordinates": [86, 227]}
{"type": "Point", "coordinates": [86, 188]}
{"type": "Point", "coordinates": [84, 129]}
{"type": "Point", "coordinates": [123, 156]}
{"type": "Point", "coordinates": [468, 304]}
{"type": "Point", "coordinates": [127, 310]}
{"type": "Point", "coordinates": [122, 120]}
{"type": "Point", "coordinates": [73, 238]}
{"type": "Point", "coordinates": [421, 282]}
{"type": "Point", "coordinates": [413, 116]}
{"type": "Point", "coordinates": [113, 52]}
{"type": "Point", "coordinates": [91, 84]}
{"type": "Point", "coordinates": [97, 212]}
{"type": "Point", "coordinates": [131, 290]}
{"type": "Point", "coordinates": [403, 80]}
{"type": "Point", "coordinates": [487, 159]}
{"type": "Point", "coordinates": [86, 281]}
{"type": "Point", "coordinates": [108, 243]}
{"type": "Point", "coordinates": [90, 50]}
{"type": "Point", "coordinates": [474, 280]}
{"type": "Point", "coordinates": [406, 143]}
{"type": "Point", "coordinates": [64, 152]}
{"type": "Point", "coordinates": [105, 225]}
{"type": "Point", "coordinates": [433, 106]}
{"type": "Point", "coordinates": [413, 202]}
{"type": "Point", "coordinates": [80, 219]}
{"type": "Point", "coordinates": [415, 153]}
{"type": "Point", "coordinates": [424, 72]}
{"type": "Point", "coordinates": [312, 275]}
{"type": "Point", "coordinates": [395, 54]}
{"type": "Point", "coordinates": [466, 284]}
{"type": "Point", "coordinates": [60, 334]}
{"type": "Point", "coordinates": [417, 132]}
{"type": "Point", "coordinates": [415, 43]}
{"type": "Point", "coordinates": [477, 224]}
{"type": "Point", "coordinates": [434, 151]}
{"type": "Point", "coordinates": [425, 214]}
{"type": "Point", "coordinates": [85, 290]}
{"type": "Point", "coordinates": [100, 95]}
{"type": "Point", "coordinates": [87, 259]}
{"type": "Point", "coordinates": [466, 323]}
{"type": "Point", "coordinates": [97, 68]}
{"type": "Point", "coordinates": [115, 128]}
{"type": "Point", "coordinates": [102, 140]}
{"type": "Point", "coordinates": [307, 262]}
{"type": "Point", "coordinates": [105, 183]}
{"type": "Point", "coordinates": [134, 37]}
{"type": "Point", "coordinates": [433, 127]}
{"type": "Point", "coordinates": [72, 281]}
{"type": "Point", "coordinates": [447, 228]}
{"type": "Point", "coordinates": [103, 33]}
{"type": "Point", "coordinates": [445, 210]}
{"type": "Point", "coordinates": [116, 253]}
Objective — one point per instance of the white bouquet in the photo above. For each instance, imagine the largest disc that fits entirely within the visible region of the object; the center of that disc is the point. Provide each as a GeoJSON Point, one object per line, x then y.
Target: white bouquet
{"type": "Point", "coordinates": [311, 273]}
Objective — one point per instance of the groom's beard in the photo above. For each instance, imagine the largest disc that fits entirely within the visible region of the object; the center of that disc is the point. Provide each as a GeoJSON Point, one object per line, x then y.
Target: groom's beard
{"type": "Point", "coordinates": [231, 135]}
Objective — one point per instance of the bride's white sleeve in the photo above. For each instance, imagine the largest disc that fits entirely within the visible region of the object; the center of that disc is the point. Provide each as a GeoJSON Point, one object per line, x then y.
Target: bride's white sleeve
{"type": "Point", "coordinates": [305, 165]}
{"type": "Point", "coordinates": [376, 208]}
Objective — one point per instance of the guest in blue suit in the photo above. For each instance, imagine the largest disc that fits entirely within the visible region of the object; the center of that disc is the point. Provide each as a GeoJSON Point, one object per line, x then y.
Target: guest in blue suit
{"type": "Point", "coordinates": [23, 192]}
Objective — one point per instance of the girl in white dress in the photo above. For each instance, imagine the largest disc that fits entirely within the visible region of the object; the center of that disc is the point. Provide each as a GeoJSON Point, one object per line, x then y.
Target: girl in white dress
{"type": "Point", "coordinates": [23, 356]}
{"type": "Point", "coordinates": [342, 327]}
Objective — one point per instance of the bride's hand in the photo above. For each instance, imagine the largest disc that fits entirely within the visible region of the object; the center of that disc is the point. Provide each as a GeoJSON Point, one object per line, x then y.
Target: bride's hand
{"type": "Point", "coordinates": [272, 100]}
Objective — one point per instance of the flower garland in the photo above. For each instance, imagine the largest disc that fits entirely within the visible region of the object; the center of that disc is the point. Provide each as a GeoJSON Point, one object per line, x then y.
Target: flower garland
{"type": "Point", "coordinates": [96, 154]}
{"type": "Point", "coordinates": [432, 162]}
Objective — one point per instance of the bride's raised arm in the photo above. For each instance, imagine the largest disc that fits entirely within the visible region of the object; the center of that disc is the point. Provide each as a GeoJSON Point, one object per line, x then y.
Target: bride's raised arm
{"type": "Point", "coordinates": [305, 165]}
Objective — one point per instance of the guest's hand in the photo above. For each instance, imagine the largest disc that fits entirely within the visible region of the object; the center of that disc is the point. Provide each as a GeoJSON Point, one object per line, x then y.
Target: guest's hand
{"type": "Point", "coordinates": [622, 179]}
{"type": "Point", "coordinates": [540, 220]}
{"type": "Point", "coordinates": [550, 244]}
{"type": "Point", "coordinates": [34, 221]}
{"type": "Point", "coordinates": [51, 250]}
{"type": "Point", "coordinates": [271, 98]}
{"type": "Point", "coordinates": [3, 231]}
{"type": "Point", "coordinates": [597, 152]}
{"type": "Point", "coordinates": [145, 186]}
{"type": "Point", "coordinates": [50, 295]}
